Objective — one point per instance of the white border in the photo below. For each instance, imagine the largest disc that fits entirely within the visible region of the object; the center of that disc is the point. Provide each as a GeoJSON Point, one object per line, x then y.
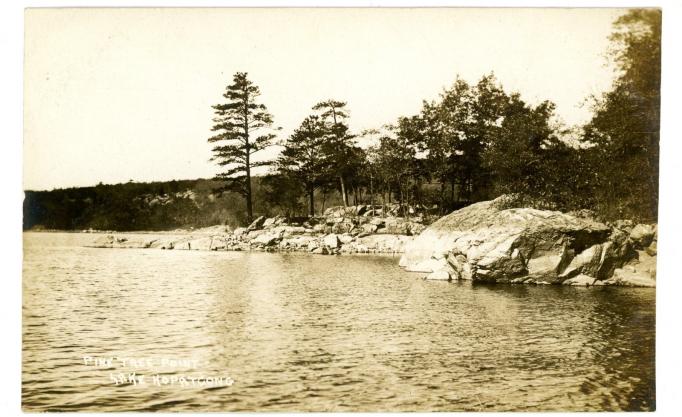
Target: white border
{"type": "Point", "coordinates": [669, 290]}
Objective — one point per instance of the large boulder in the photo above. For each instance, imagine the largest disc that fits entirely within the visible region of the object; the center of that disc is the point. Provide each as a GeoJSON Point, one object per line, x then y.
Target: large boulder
{"type": "Point", "coordinates": [489, 242]}
{"type": "Point", "coordinates": [395, 226]}
{"type": "Point", "coordinates": [274, 221]}
{"type": "Point", "coordinates": [631, 277]}
{"type": "Point", "coordinates": [256, 224]}
{"type": "Point", "coordinates": [343, 226]}
{"type": "Point", "coordinates": [269, 222]}
{"type": "Point", "coordinates": [368, 228]}
{"type": "Point", "coordinates": [331, 241]}
{"type": "Point", "coordinates": [587, 262]}
{"type": "Point", "coordinates": [321, 228]}
{"type": "Point", "coordinates": [642, 235]}
{"type": "Point", "coordinates": [298, 242]}
{"type": "Point", "coordinates": [339, 211]}
{"type": "Point", "coordinates": [266, 239]}
{"type": "Point", "coordinates": [639, 272]}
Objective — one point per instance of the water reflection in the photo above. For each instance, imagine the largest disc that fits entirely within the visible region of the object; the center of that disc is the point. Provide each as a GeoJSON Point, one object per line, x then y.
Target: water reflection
{"type": "Point", "coordinates": [301, 333]}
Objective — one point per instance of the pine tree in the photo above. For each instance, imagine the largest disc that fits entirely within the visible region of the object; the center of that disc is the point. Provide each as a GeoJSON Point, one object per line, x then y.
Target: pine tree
{"type": "Point", "coordinates": [338, 143]}
{"type": "Point", "coordinates": [242, 124]}
{"type": "Point", "coordinates": [304, 157]}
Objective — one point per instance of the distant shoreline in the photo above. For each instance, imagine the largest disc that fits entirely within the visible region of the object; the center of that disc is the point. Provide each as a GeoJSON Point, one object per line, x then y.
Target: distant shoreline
{"type": "Point", "coordinates": [134, 232]}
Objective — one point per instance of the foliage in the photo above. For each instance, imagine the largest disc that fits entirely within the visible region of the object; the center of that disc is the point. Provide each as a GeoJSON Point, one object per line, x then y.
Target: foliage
{"type": "Point", "coordinates": [625, 129]}
{"type": "Point", "coordinates": [305, 158]}
{"type": "Point", "coordinates": [343, 155]}
{"type": "Point", "coordinates": [240, 122]}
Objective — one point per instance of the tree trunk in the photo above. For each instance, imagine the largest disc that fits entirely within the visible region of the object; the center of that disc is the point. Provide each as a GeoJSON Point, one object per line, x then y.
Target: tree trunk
{"type": "Point", "coordinates": [401, 201]}
{"type": "Point", "coordinates": [383, 203]}
{"type": "Point", "coordinates": [452, 189]}
{"type": "Point", "coordinates": [249, 207]}
{"type": "Point", "coordinates": [311, 194]}
{"type": "Point", "coordinates": [442, 196]}
{"type": "Point", "coordinates": [344, 196]}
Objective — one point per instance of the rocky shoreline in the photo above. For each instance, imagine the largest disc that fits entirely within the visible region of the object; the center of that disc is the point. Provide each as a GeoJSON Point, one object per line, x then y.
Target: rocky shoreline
{"type": "Point", "coordinates": [484, 242]}
{"type": "Point", "coordinates": [355, 229]}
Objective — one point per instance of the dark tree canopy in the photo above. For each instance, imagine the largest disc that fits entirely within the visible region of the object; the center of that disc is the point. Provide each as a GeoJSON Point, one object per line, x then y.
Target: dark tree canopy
{"type": "Point", "coordinates": [304, 157]}
{"type": "Point", "coordinates": [338, 142]}
{"type": "Point", "coordinates": [625, 129]}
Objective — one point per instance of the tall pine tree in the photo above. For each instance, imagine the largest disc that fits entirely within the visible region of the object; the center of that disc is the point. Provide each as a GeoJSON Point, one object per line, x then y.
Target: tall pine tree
{"type": "Point", "coordinates": [242, 125]}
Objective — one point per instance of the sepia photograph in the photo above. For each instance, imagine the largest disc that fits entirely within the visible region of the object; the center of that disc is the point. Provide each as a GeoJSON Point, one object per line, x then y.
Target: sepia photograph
{"type": "Point", "coordinates": [401, 209]}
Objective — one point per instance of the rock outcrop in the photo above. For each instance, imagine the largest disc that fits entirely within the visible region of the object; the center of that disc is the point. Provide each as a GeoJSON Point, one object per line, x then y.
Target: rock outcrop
{"type": "Point", "coordinates": [488, 242]}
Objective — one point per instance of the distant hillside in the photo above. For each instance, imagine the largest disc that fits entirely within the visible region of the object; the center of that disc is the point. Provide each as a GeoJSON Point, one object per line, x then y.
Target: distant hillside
{"type": "Point", "coordinates": [149, 206]}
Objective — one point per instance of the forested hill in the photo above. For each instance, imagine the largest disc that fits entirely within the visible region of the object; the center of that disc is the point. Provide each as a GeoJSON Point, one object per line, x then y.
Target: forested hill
{"type": "Point", "coordinates": [139, 206]}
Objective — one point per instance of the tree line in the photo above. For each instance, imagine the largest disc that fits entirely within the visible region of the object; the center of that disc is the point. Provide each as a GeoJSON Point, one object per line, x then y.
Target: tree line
{"type": "Point", "coordinates": [159, 205]}
{"type": "Point", "coordinates": [474, 142]}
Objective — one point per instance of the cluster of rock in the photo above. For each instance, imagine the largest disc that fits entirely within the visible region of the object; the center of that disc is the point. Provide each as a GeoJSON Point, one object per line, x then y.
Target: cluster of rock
{"type": "Point", "coordinates": [485, 242]}
{"type": "Point", "coordinates": [490, 243]}
{"type": "Point", "coordinates": [355, 229]}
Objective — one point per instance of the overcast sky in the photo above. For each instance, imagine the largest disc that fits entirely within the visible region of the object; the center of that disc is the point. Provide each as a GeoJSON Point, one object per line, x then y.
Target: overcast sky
{"type": "Point", "coordinates": [112, 95]}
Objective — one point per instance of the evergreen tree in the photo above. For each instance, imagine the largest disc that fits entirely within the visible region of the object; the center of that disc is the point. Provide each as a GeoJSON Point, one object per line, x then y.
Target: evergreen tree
{"type": "Point", "coordinates": [304, 159]}
{"type": "Point", "coordinates": [338, 143]}
{"type": "Point", "coordinates": [242, 124]}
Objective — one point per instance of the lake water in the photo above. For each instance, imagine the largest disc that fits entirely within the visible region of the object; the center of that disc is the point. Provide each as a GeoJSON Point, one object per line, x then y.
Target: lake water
{"type": "Point", "coordinates": [301, 332]}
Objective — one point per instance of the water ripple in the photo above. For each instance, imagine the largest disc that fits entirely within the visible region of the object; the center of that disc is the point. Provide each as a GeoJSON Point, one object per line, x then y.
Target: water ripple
{"type": "Point", "coordinates": [315, 333]}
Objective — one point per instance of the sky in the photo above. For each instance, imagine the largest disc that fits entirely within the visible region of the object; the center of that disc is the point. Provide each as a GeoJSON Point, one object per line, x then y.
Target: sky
{"type": "Point", "coordinates": [112, 95]}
